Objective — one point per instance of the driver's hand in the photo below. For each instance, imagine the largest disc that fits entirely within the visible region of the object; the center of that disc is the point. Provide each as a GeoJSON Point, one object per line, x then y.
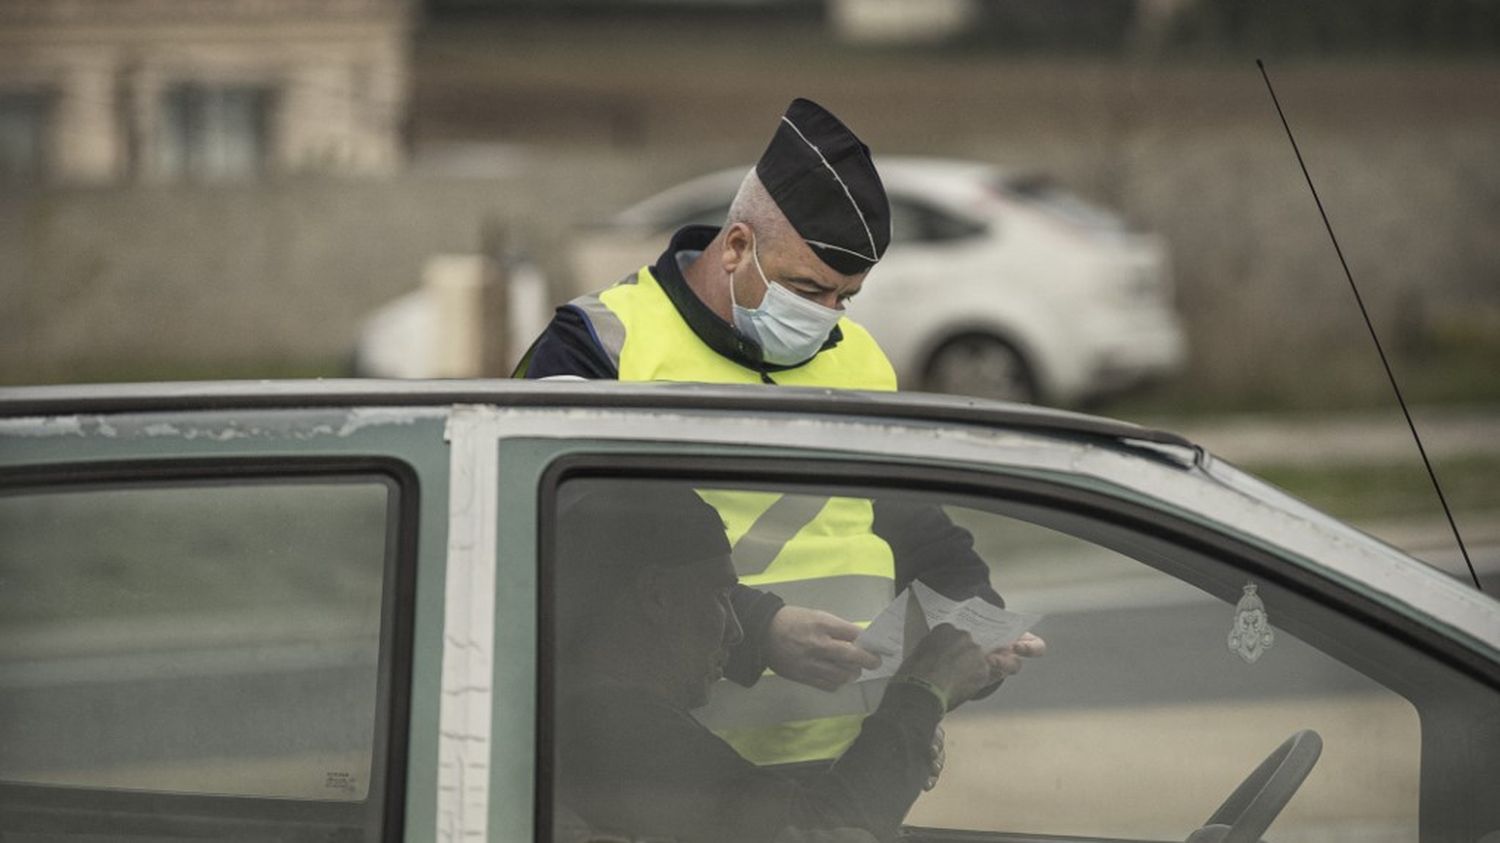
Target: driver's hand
{"type": "Point", "coordinates": [816, 648]}
{"type": "Point", "coordinates": [948, 658]}
{"type": "Point", "coordinates": [1006, 661]}
{"type": "Point", "coordinates": [935, 763]}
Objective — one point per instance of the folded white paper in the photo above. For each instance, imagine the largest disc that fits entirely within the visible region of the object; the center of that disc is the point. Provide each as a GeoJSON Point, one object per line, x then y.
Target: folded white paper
{"type": "Point", "coordinates": [990, 626]}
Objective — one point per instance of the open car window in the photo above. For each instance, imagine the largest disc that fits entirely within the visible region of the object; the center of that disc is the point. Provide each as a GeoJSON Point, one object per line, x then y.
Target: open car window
{"type": "Point", "coordinates": [1176, 664]}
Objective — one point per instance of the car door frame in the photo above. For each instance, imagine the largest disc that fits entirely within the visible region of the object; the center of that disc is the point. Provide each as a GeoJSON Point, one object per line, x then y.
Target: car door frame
{"type": "Point", "coordinates": [706, 445]}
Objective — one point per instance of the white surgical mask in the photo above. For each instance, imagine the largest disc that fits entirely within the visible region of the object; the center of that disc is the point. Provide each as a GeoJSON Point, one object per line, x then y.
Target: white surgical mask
{"type": "Point", "coordinates": [788, 328]}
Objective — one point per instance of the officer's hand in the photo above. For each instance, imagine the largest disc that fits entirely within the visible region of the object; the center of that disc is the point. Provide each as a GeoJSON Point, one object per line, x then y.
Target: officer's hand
{"type": "Point", "coordinates": [816, 648]}
{"type": "Point", "coordinates": [948, 658]}
{"type": "Point", "coordinates": [1007, 660]}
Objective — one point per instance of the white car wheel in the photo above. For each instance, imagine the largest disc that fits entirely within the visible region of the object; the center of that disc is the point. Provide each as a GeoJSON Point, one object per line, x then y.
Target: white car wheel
{"type": "Point", "coordinates": [981, 365]}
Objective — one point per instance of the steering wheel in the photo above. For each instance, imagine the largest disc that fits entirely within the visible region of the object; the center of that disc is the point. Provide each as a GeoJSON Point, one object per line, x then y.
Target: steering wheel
{"type": "Point", "coordinates": [1249, 810]}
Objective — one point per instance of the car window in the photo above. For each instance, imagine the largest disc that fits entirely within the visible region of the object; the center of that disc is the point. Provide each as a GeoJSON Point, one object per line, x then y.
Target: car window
{"type": "Point", "coordinates": [911, 221]}
{"type": "Point", "coordinates": [201, 638]}
{"type": "Point", "coordinates": [1044, 193]}
{"type": "Point", "coordinates": [1170, 674]}
{"type": "Point", "coordinates": [919, 222]}
{"type": "Point", "coordinates": [1165, 697]}
{"type": "Point", "coordinates": [713, 214]}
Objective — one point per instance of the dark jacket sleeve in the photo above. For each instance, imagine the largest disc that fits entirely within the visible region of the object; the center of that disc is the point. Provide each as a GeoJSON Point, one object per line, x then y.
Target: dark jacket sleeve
{"type": "Point", "coordinates": [568, 346]}
{"type": "Point", "coordinates": [880, 775]}
{"type": "Point", "coordinates": [929, 547]}
{"type": "Point", "coordinates": [755, 608]}
{"type": "Point", "coordinates": [640, 768]}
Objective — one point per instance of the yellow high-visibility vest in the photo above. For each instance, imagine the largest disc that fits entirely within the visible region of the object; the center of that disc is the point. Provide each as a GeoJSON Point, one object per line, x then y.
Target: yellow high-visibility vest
{"type": "Point", "coordinates": [812, 551]}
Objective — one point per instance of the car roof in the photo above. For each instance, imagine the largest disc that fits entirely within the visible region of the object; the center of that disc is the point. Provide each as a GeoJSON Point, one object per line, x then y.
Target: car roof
{"type": "Point", "coordinates": [912, 406]}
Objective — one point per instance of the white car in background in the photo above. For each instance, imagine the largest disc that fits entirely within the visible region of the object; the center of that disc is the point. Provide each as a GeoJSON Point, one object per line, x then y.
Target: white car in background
{"type": "Point", "coordinates": [997, 285]}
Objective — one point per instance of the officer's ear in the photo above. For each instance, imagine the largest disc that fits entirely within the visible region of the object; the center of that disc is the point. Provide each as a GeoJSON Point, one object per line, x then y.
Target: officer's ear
{"type": "Point", "coordinates": [738, 239]}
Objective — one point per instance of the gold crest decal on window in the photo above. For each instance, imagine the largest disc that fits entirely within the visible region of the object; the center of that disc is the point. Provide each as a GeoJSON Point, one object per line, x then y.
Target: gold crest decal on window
{"type": "Point", "coordinates": [1251, 636]}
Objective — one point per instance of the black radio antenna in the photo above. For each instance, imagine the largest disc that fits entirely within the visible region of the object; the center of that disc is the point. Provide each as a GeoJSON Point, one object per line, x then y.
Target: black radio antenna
{"type": "Point", "coordinates": [1371, 326]}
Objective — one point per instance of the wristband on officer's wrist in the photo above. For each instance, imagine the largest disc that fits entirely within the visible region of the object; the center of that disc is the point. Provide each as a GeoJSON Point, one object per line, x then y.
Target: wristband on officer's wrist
{"type": "Point", "coordinates": [908, 679]}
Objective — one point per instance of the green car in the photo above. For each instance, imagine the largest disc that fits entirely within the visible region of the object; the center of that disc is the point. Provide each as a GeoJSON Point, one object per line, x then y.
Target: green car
{"type": "Point", "coordinates": [323, 612]}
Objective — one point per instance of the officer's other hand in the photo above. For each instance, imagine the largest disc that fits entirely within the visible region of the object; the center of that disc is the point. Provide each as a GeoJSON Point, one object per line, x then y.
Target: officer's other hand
{"type": "Point", "coordinates": [1006, 661]}
{"type": "Point", "coordinates": [816, 648]}
{"type": "Point", "coordinates": [948, 658]}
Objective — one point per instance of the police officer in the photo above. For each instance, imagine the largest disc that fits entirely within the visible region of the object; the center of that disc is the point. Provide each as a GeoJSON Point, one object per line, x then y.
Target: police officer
{"type": "Point", "coordinates": [761, 300]}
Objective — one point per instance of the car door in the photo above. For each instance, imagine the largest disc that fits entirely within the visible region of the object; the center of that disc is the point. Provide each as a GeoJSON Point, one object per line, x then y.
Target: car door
{"type": "Point", "coordinates": [208, 618]}
{"type": "Point", "coordinates": [1194, 623]}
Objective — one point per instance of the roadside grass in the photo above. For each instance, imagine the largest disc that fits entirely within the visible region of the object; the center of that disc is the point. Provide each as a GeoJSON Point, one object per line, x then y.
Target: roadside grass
{"type": "Point", "coordinates": [1365, 492]}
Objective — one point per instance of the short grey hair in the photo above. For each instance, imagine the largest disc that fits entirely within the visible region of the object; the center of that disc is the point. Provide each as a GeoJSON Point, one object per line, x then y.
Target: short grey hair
{"type": "Point", "coordinates": [754, 206]}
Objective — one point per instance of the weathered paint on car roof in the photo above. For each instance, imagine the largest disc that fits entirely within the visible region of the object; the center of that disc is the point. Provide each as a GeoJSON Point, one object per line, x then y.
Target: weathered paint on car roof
{"type": "Point", "coordinates": [911, 406]}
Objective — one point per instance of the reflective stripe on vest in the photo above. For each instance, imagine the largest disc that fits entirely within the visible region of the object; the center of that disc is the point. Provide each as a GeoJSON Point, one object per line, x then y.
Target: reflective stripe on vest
{"type": "Point", "coordinates": [728, 709]}
{"type": "Point", "coordinates": [794, 741]}
{"type": "Point", "coordinates": [813, 551]}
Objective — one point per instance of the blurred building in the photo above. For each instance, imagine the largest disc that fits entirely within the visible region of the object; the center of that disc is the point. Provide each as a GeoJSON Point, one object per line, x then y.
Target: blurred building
{"type": "Point", "coordinates": [903, 21]}
{"type": "Point", "coordinates": [108, 91]}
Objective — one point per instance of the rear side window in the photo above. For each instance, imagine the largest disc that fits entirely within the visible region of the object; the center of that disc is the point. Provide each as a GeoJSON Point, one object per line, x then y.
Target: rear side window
{"type": "Point", "coordinates": [698, 215]}
{"type": "Point", "coordinates": [918, 222]}
{"type": "Point", "coordinates": [212, 640]}
{"type": "Point", "coordinates": [1044, 193]}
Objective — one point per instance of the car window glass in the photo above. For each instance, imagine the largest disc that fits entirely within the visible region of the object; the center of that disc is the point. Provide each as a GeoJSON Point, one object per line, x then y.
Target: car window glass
{"type": "Point", "coordinates": [910, 221]}
{"type": "Point", "coordinates": [1169, 675]}
{"type": "Point", "coordinates": [1164, 699]}
{"type": "Point", "coordinates": [1046, 194]}
{"type": "Point", "coordinates": [918, 222]}
{"type": "Point", "coordinates": [199, 638]}
{"type": "Point", "coordinates": [714, 215]}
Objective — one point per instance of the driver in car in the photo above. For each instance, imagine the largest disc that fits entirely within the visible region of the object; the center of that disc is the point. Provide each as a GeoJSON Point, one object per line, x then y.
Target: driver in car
{"type": "Point", "coordinates": [645, 624]}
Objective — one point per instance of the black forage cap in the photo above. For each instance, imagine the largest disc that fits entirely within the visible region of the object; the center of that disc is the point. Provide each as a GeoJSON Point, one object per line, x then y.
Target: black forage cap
{"type": "Point", "coordinates": [821, 177]}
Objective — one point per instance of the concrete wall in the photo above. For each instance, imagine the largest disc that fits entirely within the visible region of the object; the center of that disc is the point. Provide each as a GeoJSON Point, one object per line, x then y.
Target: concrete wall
{"type": "Point", "coordinates": [251, 280]}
